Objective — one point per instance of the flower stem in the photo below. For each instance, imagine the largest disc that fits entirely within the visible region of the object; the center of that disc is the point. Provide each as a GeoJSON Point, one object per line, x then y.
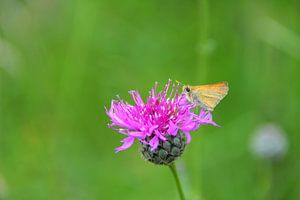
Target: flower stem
{"type": "Point", "coordinates": [203, 37]}
{"type": "Point", "coordinates": [175, 174]}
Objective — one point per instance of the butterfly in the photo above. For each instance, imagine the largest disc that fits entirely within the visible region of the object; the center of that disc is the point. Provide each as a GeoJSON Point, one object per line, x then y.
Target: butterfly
{"type": "Point", "coordinates": [206, 96]}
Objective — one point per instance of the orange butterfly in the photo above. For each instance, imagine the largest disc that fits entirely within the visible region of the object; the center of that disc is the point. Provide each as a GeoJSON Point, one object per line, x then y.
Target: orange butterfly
{"type": "Point", "coordinates": [206, 96]}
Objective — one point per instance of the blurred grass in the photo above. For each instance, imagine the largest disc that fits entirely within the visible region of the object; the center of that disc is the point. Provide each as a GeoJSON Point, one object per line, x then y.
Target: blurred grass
{"type": "Point", "coordinates": [61, 62]}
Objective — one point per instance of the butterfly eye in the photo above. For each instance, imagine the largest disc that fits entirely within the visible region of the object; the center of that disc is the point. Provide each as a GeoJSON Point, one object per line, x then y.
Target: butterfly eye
{"type": "Point", "coordinates": [187, 89]}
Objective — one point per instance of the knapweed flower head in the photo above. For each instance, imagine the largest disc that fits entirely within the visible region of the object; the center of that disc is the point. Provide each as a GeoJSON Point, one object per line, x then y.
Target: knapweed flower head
{"type": "Point", "coordinates": [160, 116]}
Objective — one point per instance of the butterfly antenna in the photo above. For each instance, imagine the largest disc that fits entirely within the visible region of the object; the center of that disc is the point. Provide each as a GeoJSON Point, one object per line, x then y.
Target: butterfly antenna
{"type": "Point", "coordinates": [179, 82]}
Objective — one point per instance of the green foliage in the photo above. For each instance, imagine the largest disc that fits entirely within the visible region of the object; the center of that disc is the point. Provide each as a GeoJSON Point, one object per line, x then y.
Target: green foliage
{"type": "Point", "coordinates": [61, 62]}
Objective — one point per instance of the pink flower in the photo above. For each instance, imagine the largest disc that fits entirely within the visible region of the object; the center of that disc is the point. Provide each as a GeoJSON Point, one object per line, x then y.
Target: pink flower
{"type": "Point", "coordinates": [151, 121]}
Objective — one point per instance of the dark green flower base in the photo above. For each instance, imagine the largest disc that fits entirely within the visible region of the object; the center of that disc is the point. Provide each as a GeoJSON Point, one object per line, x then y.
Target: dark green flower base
{"type": "Point", "coordinates": [167, 151]}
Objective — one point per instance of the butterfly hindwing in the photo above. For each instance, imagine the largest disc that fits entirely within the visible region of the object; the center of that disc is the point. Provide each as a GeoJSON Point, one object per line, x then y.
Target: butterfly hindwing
{"type": "Point", "coordinates": [209, 96]}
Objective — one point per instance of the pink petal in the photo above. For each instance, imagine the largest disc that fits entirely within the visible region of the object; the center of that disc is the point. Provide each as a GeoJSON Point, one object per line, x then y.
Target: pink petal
{"type": "Point", "coordinates": [152, 128]}
{"type": "Point", "coordinates": [136, 134]}
{"type": "Point", "coordinates": [160, 136]}
{"type": "Point", "coordinates": [172, 129]}
{"type": "Point", "coordinates": [188, 136]}
{"type": "Point", "coordinates": [190, 126]}
{"type": "Point", "coordinates": [127, 142]}
{"type": "Point", "coordinates": [136, 97]}
{"type": "Point", "coordinates": [154, 143]}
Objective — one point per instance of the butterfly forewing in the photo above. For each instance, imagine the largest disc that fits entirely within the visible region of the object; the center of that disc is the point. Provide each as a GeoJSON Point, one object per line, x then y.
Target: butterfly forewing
{"type": "Point", "coordinates": [210, 95]}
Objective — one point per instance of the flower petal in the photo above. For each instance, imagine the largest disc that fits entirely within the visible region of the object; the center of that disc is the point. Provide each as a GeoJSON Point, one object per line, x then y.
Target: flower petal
{"type": "Point", "coordinates": [127, 142]}
{"type": "Point", "coordinates": [136, 134]}
{"type": "Point", "coordinates": [205, 117]}
{"type": "Point", "coordinates": [188, 136]}
{"type": "Point", "coordinates": [172, 129]}
{"type": "Point", "coordinates": [160, 135]}
{"type": "Point", "coordinates": [154, 143]}
{"type": "Point", "coordinates": [136, 97]}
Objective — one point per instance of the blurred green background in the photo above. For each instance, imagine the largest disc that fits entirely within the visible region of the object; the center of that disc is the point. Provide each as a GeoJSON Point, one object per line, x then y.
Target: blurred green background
{"type": "Point", "coordinates": [61, 62]}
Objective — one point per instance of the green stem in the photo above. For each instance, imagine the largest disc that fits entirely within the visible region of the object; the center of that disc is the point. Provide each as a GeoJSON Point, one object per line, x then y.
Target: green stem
{"type": "Point", "coordinates": [203, 24]}
{"type": "Point", "coordinates": [179, 187]}
{"type": "Point", "coordinates": [270, 192]}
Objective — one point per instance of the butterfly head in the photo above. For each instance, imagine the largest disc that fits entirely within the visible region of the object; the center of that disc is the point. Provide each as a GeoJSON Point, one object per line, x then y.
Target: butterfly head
{"type": "Point", "coordinates": [186, 89]}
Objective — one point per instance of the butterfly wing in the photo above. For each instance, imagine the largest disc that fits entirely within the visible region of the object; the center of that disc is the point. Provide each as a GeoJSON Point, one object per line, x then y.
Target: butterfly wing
{"type": "Point", "coordinates": [208, 96]}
